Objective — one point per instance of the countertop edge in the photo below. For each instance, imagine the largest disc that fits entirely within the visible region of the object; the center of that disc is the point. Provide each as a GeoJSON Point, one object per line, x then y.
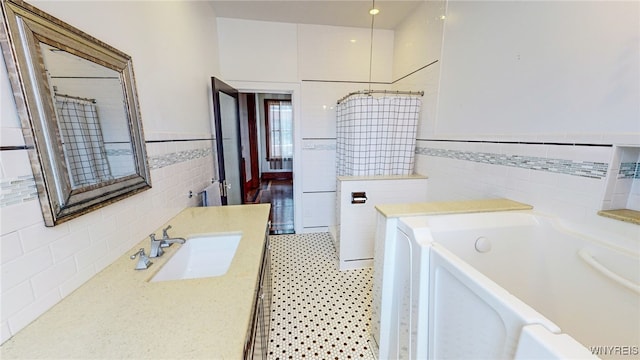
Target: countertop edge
{"type": "Point", "coordinates": [450, 207]}
{"type": "Point", "coordinates": [626, 215]}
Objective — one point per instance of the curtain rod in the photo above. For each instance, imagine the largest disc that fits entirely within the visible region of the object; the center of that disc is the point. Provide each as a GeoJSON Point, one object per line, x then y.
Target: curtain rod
{"type": "Point", "coordinates": [75, 97]}
{"type": "Point", "coordinates": [369, 92]}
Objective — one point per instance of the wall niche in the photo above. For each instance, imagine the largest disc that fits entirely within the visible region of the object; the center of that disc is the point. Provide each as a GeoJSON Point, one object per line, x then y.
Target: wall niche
{"type": "Point", "coordinates": [622, 194]}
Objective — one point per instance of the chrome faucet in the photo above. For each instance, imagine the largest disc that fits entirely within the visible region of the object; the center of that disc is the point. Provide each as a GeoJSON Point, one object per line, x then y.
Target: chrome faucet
{"type": "Point", "coordinates": [156, 247]}
{"type": "Point", "coordinates": [165, 235]}
{"type": "Point", "coordinates": [143, 260]}
{"type": "Point", "coordinates": [167, 241]}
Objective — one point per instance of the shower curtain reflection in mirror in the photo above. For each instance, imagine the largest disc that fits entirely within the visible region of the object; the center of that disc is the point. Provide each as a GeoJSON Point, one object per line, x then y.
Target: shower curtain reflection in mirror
{"type": "Point", "coordinates": [82, 141]}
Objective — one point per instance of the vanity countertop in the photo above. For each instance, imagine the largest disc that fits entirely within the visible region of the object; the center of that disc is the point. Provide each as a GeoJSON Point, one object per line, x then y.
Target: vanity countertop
{"type": "Point", "coordinates": [450, 207]}
{"type": "Point", "coordinates": [120, 314]}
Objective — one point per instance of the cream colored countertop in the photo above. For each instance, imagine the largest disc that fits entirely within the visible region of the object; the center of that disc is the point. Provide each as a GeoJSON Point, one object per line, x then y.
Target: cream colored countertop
{"type": "Point", "coordinates": [450, 207]}
{"type": "Point", "coordinates": [120, 314]}
{"type": "Point", "coordinates": [626, 215]}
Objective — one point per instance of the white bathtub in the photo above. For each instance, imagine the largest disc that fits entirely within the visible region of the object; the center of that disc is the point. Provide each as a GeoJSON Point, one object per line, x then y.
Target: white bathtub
{"type": "Point", "coordinates": [529, 289]}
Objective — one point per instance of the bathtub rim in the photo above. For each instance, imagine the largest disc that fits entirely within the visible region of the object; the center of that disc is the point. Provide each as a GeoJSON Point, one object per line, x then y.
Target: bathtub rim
{"type": "Point", "coordinates": [620, 241]}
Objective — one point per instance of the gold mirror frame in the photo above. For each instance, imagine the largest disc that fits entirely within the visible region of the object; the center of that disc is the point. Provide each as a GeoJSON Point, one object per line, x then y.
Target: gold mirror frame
{"type": "Point", "coordinates": [23, 28]}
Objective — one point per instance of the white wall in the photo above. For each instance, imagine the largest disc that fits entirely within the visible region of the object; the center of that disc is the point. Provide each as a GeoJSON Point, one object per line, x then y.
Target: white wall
{"type": "Point", "coordinates": [528, 100]}
{"type": "Point", "coordinates": [418, 43]}
{"type": "Point", "coordinates": [322, 64]}
{"type": "Point", "coordinates": [540, 70]}
{"type": "Point", "coordinates": [257, 50]}
{"type": "Point", "coordinates": [173, 46]}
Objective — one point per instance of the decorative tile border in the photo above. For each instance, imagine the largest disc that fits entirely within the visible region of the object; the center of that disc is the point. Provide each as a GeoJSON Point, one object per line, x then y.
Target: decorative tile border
{"type": "Point", "coordinates": [320, 147]}
{"type": "Point", "coordinates": [594, 170]}
{"type": "Point", "coordinates": [319, 144]}
{"type": "Point", "coordinates": [17, 190]}
{"type": "Point", "coordinates": [160, 161]}
{"type": "Point", "coordinates": [23, 188]}
{"type": "Point", "coordinates": [629, 170]}
{"type": "Point", "coordinates": [119, 152]}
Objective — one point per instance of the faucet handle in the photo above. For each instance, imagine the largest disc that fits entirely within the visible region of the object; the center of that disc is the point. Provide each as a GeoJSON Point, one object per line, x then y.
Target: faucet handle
{"type": "Point", "coordinates": [143, 260]}
{"type": "Point", "coordinates": [139, 252]}
{"type": "Point", "coordinates": [164, 232]}
{"type": "Point", "coordinates": [152, 237]}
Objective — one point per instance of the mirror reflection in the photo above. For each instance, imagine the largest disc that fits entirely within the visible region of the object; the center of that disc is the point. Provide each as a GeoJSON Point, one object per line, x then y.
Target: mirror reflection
{"type": "Point", "coordinates": [78, 107]}
{"type": "Point", "coordinates": [91, 117]}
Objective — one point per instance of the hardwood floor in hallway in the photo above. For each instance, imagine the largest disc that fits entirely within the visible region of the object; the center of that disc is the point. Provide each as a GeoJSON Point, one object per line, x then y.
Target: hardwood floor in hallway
{"type": "Point", "coordinates": [280, 194]}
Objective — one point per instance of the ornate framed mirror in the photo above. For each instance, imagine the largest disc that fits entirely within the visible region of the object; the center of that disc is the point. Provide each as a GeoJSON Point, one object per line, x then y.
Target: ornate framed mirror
{"type": "Point", "coordinates": [77, 103]}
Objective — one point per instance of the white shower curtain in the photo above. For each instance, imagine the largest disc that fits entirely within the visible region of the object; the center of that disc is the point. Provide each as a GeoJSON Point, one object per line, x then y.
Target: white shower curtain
{"type": "Point", "coordinates": [82, 141]}
{"type": "Point", "coordinates": [376, 136]}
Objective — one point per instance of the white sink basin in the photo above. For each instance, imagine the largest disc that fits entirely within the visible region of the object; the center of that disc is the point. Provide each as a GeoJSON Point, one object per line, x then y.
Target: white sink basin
{"type": "Point", "coordinates": [201, 256]}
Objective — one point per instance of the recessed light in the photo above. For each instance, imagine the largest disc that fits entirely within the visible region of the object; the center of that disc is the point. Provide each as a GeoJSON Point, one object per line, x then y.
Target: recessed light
{"type": "Point", "coordinates": [374, 11]}
{"type": "Point", "coordinates": [353, 41]}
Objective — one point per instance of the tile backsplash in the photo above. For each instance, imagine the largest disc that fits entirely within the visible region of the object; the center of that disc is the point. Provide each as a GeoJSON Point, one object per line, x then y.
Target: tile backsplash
{"type": "Point", "coordinates": [623, 186]}
{"type": "Point", "coordinates": [590, 169]}
{"type": "Point", "coordinates": [41, 265]}
{"type": "Point", "coordinates": [629, 170]}
{"type": "Point", "coordinates": [23, 188]}
{"type": "Point", "coordinates": [160, 161]}
{"type": "Point", "coordinates": [17, 190]}
{"type": "Point", "coordinates": [560, 179]}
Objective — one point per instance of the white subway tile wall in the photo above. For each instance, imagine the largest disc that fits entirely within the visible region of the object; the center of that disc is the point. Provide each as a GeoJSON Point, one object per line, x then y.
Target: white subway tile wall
{"type": "Point", "coordinates": [318, 184]}
{"type": "Point", "coordinates": [41, 265]}
{"type": "Point", "coordinates": [569, 181]}
{"type": "Point", "coordinates": [562, 179]}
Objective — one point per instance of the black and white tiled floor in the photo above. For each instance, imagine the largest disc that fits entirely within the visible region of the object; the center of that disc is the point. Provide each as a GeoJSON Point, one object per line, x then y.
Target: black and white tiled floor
{"type": "Point", "coordinates": [318, 312]}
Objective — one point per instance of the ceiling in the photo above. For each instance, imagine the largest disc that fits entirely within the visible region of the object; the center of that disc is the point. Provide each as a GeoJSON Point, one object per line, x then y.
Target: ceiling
{"type": "Point", "coordinates": [353, 13]}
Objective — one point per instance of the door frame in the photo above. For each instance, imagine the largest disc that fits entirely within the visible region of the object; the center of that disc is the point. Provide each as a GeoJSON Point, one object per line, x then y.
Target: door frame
{"type": "Point", "coordinates": [217, 87]}
{"type": "Point", "coordinates": [294, 90]}
{"type": "Point", "coordinates": [252, 126]}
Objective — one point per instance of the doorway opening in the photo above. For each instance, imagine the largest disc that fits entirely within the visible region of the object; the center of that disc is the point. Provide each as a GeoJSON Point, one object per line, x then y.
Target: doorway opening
{"type": "Point", "coordinates": [254, 143]}
{"type": "Point", "coordinates": [266, 146]}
